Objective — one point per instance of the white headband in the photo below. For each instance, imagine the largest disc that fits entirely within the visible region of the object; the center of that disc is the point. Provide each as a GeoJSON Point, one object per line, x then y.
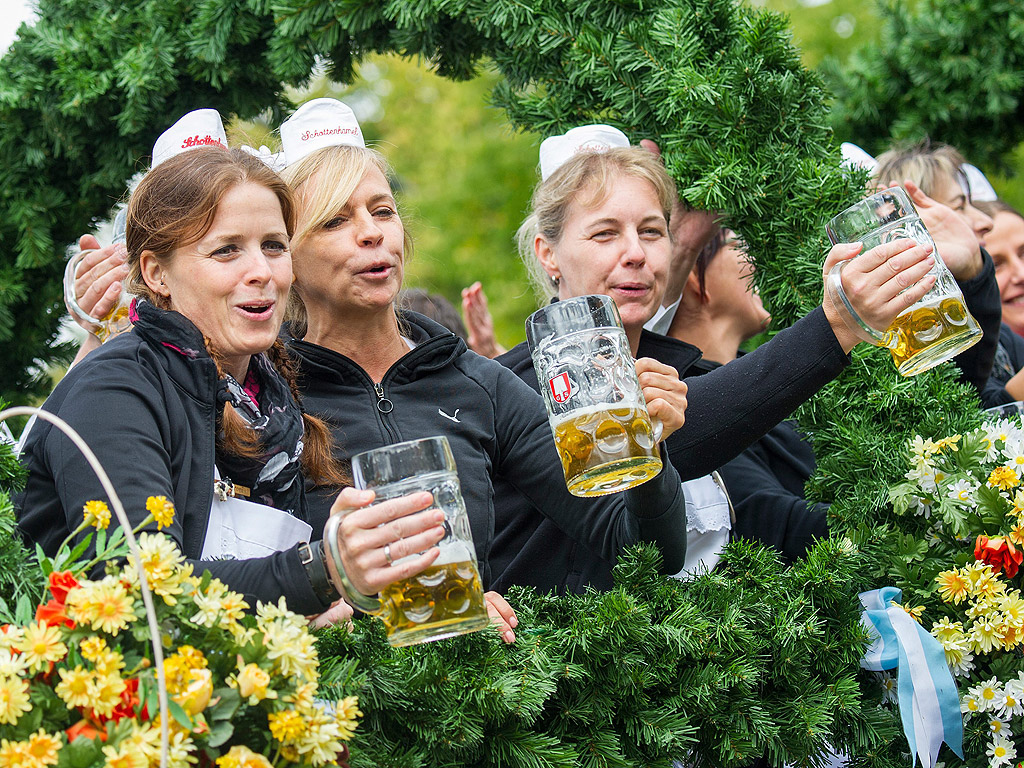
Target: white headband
{"type": "Point", "coordinates": [855, 157]}
{"type": "Point", "coordinates": [555, 151]}
{"type": "Point", "coordinates": [199, 128]}
{"type": "Point", "coordinates": [316, 124]}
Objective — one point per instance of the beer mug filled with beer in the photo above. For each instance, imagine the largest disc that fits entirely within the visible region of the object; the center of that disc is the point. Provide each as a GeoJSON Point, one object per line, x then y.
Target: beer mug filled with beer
{"type": "Point", "coordinates": [116, 320]}
{"type": "Point", "coordinates": [596, 408]}
{"type": "Point", "coordinates": [447, 598]}
{"type": "Point", "coordinates": [938, 327]}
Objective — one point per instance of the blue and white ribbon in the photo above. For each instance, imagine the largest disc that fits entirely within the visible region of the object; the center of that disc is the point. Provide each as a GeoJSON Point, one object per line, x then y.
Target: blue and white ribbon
{"type": "Point", "coordinates": [929, 701]}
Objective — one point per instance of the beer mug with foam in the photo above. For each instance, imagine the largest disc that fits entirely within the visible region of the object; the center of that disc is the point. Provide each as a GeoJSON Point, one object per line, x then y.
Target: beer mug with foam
{"type": "Point", "coordinates": [447, 598]}
{"type": "Point", "coordinates": [938, 327]}
{"type": "Point", "coordinates": [595, 406]}
{"type": "Point", "coordinates": [116, 320]}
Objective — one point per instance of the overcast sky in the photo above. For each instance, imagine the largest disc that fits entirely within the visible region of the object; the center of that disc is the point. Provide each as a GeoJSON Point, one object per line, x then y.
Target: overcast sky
{"type": "Point", "coordinates": [15, 12]}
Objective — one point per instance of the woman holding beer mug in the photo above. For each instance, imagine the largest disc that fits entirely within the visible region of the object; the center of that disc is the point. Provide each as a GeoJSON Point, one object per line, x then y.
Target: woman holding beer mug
{"type": "Point", "coordinates": [378, 375]}
{"type": "Point", "coordinates": [200, 394]}
{"type": "Point", "coordinates": [601, 224]}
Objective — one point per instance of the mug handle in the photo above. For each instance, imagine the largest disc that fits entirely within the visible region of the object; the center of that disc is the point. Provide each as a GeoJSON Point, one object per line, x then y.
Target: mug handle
{"type": "Point", "coordinates": [658, 428]}
{"type": "Point", "coordinates": [853, 321]}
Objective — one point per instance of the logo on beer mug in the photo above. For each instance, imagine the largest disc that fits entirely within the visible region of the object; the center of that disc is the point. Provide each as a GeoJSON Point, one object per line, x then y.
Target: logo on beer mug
{"type": "Point", "coordinates": [562, 387]}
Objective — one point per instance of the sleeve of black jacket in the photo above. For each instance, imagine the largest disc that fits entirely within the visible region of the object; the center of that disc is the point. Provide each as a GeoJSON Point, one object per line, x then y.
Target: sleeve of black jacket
{"type": "Point", "coordinates": [732, 406]}
{"type": "Point", "coordinates": [981, 295]}
{"type": "Point", "coordinates": [654, 511]}
{"type": "Point", "coordinates": [1012, 361]}
{"type": "Point", "coordinates": [766, 486]}
{"type": "Point", "coordinates": [125, 420]}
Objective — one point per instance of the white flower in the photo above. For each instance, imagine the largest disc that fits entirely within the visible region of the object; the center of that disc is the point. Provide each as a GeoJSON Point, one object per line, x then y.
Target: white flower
{"type": "Point", "coordinates": [1001, 751]}
{"type": "Point", "coordinates": [963, 491]}
{"type": "Point", "coordinates": [1014, 454]}
{"type": "Point", "coordinates": [987, 694]}
{"type": "Point", "coordinates": [888, 687]}
{"type": "Point", "coordinates": [965, 666]}
{"type": "Point", "coordinates": [923, 506]}
{"type": "Point", "coordinates": [970, 704]}
{"type": "Point", "coordinates": [1010, 705]}
{"type": "Point", "coordinates": [998, 727]}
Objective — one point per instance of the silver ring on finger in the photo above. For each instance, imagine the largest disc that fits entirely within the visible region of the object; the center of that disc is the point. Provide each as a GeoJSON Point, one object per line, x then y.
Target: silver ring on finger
{"type": "Point", "coordinates": [387, 554]}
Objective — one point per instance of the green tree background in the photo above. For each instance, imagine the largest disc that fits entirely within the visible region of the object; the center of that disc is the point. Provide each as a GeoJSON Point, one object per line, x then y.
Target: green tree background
{"type": "Point", "coordinates": [465, 176]}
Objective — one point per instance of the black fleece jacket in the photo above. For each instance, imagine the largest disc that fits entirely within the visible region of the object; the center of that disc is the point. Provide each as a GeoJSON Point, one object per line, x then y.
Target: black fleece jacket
{"type": "Point", "coordinates": [498, 431]}
{"type": "Point", "coordinates": [148, 412]}
{"type": "Point", "coordinates": [728, 408]}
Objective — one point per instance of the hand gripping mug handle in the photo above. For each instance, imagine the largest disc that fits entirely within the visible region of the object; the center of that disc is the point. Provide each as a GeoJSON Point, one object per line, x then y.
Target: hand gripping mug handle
{"type": "Point", "coordinates": [852, 320]}
{"type": "Point", "coordinates": [70, 275]}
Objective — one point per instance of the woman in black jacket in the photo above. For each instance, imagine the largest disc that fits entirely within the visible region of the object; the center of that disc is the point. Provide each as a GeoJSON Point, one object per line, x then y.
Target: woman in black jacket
{"type": "Point", "coordinates": [600, 224]}
{"type": "Point", "coordinates": [378, 376]}
{"type": "Point", "coordinates": [201, 385]}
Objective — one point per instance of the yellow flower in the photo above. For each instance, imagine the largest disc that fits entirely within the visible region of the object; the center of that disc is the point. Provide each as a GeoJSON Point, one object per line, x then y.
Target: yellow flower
{"type": "Point", "coordinates": [321, 743]}
{"type": "Point", "coordinates": [286, 726]}
{"type": "Point", "coordinates": [41, 645]}
{"type": "Point", "coordinates": [985, 636]}
{"type": "Point", "coordinates": [13, 699]}
{"type": "Point", "coordinates": [242, 757]}
{"type": "Point", "coordinates": [75, 686]}
{"type": "Point", "coordinates": [915, 613]}
{"type": "Point", "coordinates": [1004, 478]}
{"type": "Point", "coordinates": [346, 715]}
{"type": "Point", "coordinates": [105, 693]}
{"type": "Point", "coordinates": [103, 605]}
{"type": "Point", "coordinates": [162, 511]}
{"type": "Point", "coordinates": [124, 755]}
{"type": "Point", "coordinates": [165, 567]}
{"type": "Point", "coordinates": [945, 630]}
{"type": "Point", "coordinates": [1016, 534]}
{"type": "Point", "coordinates": [252, 682]}
{"type": "Point", "coordinates": [1012, 607]}
{"type": "Point", "coordinates": [948, 442]}
{"type": "Point", "coordinates": [92, 647]}
{"type": "Point", "coordinates": [96, 513]}
{"type": "Point", "coordinates": [14, 754]}
{"type": "Point", "coordinates": [10, 636]}
{"type": "Point", "coordinates": [218, 606]}
{"type": "Point", "coordinates": [189, 683]}
{"type": "Point", "coordinates": [43, 748]}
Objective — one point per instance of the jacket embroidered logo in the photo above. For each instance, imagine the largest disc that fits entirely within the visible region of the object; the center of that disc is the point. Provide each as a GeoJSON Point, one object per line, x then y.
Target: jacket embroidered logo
{"type": "Point", "coordinates": [454, 418]}
{"type": "Point", "coordinates": [562, 387]}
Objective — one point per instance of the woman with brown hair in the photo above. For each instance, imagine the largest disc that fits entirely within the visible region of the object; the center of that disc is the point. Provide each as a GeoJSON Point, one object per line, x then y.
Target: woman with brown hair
{"type": "Point", "coordinates": [198, 403]}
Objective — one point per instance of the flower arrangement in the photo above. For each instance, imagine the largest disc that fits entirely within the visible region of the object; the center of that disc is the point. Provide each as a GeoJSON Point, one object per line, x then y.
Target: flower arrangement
{"type": "Point", "coordinates": [967, 492]}
{"type": "Point", "coordinates": [78, 685]}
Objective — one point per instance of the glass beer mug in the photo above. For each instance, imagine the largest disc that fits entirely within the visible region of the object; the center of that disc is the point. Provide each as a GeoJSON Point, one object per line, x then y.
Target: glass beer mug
{"type": "Point", "coordinates": [938, 327]}
{"type": "Point", "coordinates": [116, 320]}
{"type": "Point", "coordinates": [596, 408]}
{"type": "Point", "coordinates": [447, 598]}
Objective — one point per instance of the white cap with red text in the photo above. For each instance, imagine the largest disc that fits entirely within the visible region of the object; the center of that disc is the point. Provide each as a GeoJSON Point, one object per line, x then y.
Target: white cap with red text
{"type": "Point", "coordinates": [555, 151]}
{"type": "Point", "coordinates": [199, 128]}
{"type": "Point", "coordinates": [316, 124]}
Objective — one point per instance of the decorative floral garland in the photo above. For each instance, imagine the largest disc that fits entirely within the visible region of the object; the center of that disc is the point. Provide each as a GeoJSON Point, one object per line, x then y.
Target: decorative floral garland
{"type": "Point", "coordinates": [968, 488]}
{"type": "Point", "coordinates": [77, 684]}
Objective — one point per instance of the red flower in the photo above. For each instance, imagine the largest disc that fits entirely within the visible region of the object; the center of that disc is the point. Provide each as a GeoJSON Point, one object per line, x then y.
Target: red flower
{"type": "Point", "coordinates": [1000, 553]}
{"type": "Point", "coordinates": [53, 614]}
{"type": "Point", "coordinates": [86, 730]}
{"type": "Point", "coordinates": [62, 582]}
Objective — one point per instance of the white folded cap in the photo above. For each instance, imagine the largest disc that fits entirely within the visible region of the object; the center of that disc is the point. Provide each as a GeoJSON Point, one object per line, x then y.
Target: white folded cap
{"type": "Point", "coordinates": [855, 157]}
{"type": "Point", "coordinates": [273, 160]}
{"type": "Point", "coordinates": [555, 151]}
{"type": "Point", "coordinates": [199, 128]}
{"type": "Point", "coordinates": [978, 187]}
{"type": "Point", "coordinates": [316, 124]}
